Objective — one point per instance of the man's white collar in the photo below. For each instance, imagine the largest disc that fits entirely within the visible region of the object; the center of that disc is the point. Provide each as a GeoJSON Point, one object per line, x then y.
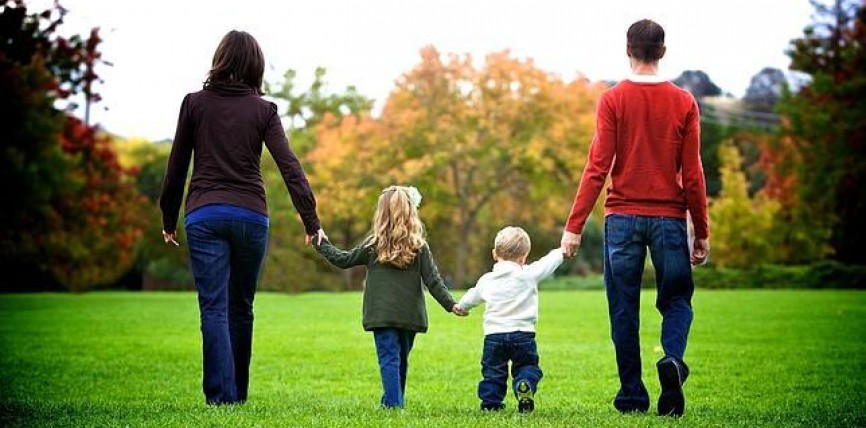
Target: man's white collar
{"type": "Point", "coordinates": [646, 78]}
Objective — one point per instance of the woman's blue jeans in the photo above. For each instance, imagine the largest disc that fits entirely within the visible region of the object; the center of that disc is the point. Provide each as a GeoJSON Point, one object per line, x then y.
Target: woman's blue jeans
{"type": "Point", "coordinates": [626, 239]}
{"type": "Point", "coordinates": [226, 258]}
{"type": "Point", "coordinates": [392, 347]}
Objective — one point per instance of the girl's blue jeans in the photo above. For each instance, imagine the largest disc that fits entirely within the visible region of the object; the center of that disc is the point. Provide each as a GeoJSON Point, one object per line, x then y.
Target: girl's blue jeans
{"type": "Point", "coordinates": [392, 347]}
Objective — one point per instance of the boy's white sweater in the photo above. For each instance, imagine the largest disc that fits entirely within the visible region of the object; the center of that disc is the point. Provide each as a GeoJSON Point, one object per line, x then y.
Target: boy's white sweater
{"type": "Point", "coordinates": [510, 292]}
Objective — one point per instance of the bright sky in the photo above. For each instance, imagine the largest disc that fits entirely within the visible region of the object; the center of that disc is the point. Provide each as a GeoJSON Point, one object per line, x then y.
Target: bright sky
{"type": "Point", "coordinates": [161, 49]}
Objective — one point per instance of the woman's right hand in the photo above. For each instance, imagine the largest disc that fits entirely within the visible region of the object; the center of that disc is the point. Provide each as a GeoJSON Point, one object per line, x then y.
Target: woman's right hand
{"type": "Point", "coordinates": [170, 238]}
{"type": "Point", "coordinates": [319, 236]}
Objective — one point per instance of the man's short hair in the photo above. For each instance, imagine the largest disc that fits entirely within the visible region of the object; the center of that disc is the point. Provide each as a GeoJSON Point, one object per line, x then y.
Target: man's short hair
{"type": "Point", "coordinates": [646, 41]}
{"type": "Point", "coordinates": [511, 243]}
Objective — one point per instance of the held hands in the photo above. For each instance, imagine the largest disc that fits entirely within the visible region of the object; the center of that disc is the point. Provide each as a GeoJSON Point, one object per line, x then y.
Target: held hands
{"type": "Point", "coordinates": [170, 238]}
{"type": "Point", "coordinates": [319, 236]}
{"type": "Point", "coordinates": [701, 251]}
{"type": "Point", "coordinates": [460, 312]}
{"type": "Point", "coordinates": [570, 243]}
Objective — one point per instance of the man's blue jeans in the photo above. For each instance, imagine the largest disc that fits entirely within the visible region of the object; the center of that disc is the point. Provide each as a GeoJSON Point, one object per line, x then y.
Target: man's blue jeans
{"type": "Point", "coordinates": [500, 348]}
{"type": "Point", "coordinates": [626, 238]}
{"type": "Point", "coordinates": [392, 347]}
{"type": "Point", "coordinates": [226, 258]}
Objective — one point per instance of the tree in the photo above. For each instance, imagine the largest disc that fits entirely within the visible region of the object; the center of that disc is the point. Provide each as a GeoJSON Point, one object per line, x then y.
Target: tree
{"type": "Point", "coordinates": [826, 124]}
{"type": "Point", "coordinates": [698, 83]}
{"type": "Point", "coordinates": [351, 163]}
{"type": "Point", "coordinates": [305, 110]}
{"type": "Point", "coordinates": [490, 146]}
{"type": "Point", "coordinates": [329, 131]}
{"type": "Point", "coordinates": [765, 89]}
{"type": "Point", "coordinates": [156, 267]}
{"type": "Point", "coordinates": [742, 226]}
{"type": "Point", "coordinates": [713, 130]}
{"type": "Point", "coordinates": [92, 237]}
{"type": "Point", "coordinates": [74, 220]}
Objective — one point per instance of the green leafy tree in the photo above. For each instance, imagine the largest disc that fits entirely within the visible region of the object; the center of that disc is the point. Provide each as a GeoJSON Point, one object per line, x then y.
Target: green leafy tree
{"type": "Point", "coordinates": [158, 268]}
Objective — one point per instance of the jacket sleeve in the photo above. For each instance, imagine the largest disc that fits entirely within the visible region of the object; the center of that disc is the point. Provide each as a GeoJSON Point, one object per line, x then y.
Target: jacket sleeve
{"type": "Point", "coordinates": [292, 172]}
{"type": "Point", "coordinates": [178, 164]}
{"type": "Point", "coordinates": [693, 174]}
{"type": "Point", "coordinates": [433, 281]}
{"type": "Point", "coordinates": [340, 258]}
{"type": "Point", "coordinates": [545, 266]}
{"type": "Point", "coordinates": [472, 298]}
{"type": "Point", "coordinates": [601, 154]}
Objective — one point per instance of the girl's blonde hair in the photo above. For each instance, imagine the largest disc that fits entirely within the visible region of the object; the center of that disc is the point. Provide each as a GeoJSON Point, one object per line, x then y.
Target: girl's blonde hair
{"type": "Point", "coordinates": [397, 234]}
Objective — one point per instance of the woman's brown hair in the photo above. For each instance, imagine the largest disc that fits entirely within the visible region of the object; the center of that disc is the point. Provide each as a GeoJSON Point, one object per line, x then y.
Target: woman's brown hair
{"type": "Point", "coordinates": [646, 41]}
{"type": "Point", "coordinates": [238, 59]}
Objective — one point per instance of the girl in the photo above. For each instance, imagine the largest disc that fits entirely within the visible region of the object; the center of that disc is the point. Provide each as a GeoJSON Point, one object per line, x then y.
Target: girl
{"type": "Point", "coordinates": [221, 128]}
{"type": "Point", "coordinates": [399, 265]}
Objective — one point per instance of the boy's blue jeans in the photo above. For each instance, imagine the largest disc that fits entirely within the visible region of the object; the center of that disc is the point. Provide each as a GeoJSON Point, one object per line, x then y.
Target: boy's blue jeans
{"type": "Point", "coordinates": [392, 347]}
{"type": "Point", "coordinates": [226, 257]}
{"type": "Point", "coordinates": [500, 348]}
{"type": "Point", "coordinates": [626, 239]}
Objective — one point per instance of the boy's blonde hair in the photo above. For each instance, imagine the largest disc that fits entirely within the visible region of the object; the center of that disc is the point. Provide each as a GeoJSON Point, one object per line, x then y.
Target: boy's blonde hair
{"type": "Point", "coordinates": [512, 243]}
{"type": "Point", "coordinates": [397, 234]}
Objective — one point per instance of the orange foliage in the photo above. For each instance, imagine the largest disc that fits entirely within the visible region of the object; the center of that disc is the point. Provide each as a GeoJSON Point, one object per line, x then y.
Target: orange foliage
{"type": "Point", "coordinates": [502, 142]}
{"type": "Point", "coordinates": [92, 234]}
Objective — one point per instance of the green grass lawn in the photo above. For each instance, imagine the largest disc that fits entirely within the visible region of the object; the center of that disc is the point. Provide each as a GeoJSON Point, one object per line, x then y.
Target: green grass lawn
{"type": "Point", "coordinates": [758, 358]}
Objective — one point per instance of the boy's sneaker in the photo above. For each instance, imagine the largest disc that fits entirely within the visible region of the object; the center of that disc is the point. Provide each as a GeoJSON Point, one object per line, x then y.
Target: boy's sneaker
{"type": "Point", "coordinates": [492, 407]}
{"type": "Point", "coordinates": [671, 401]}
{"type": "Point", "coordinates": [525, 402]}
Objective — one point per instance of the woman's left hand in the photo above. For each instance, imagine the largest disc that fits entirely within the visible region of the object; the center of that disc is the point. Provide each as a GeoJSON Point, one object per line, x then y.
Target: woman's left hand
{"type": "Point", "coordinates": [319, 236]}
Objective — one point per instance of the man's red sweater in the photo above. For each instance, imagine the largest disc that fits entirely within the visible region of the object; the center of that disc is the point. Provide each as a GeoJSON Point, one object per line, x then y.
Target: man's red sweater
{"type": "Point", "coordinates": [648, 138]}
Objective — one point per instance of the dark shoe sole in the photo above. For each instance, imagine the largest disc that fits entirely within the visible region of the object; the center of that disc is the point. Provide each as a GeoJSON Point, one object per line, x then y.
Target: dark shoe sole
{"type": "Point", "coordinates": [631, 410]}
{"type": "Point", "coordinates": [671, 401]}
{"type": "Point", "coordinates": [525, 399]}
{"type": "Point", "coordinates": [492, 408]}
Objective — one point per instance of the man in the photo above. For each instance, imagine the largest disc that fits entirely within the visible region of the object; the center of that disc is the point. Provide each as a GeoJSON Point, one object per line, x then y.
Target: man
{"type": "Point", "coordinates": [648, 138]}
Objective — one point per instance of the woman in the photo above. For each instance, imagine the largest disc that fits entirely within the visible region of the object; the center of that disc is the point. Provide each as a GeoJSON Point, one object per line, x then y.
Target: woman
{"type": "Point", "coordinates": [222, 128]}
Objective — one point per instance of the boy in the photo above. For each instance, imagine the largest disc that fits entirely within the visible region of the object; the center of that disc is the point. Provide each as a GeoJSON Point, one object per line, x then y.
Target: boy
{"type": "Point", "coordinates": [510, 292]}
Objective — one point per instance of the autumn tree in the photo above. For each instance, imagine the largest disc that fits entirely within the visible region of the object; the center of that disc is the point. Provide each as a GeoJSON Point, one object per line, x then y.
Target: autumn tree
{"type": "Point", "coordinates": [826, 124]}
{"type": "Point", "coordinates": [305, 109]}
{"type": "Point", "coordinates": [329, 131]}
{"type": "Point", "coordinates": [500, 143]}
{"type": "Point", "coordinates": [350, 165]}
{"type": "Point", "coordinates": [75, 220]}
{"type": "Point", "coordinates": [742, 225]}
